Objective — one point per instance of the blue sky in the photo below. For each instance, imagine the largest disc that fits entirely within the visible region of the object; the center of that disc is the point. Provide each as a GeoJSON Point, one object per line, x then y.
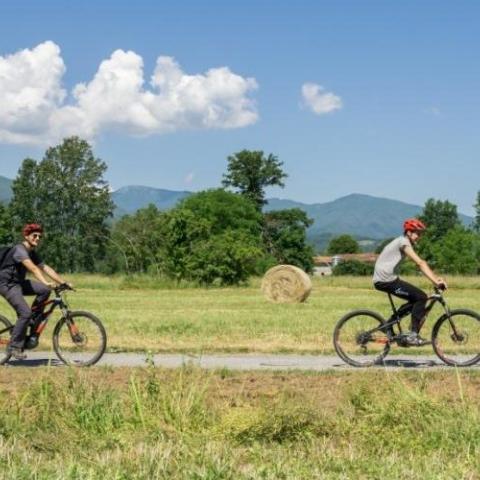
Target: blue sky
{"type": "Point", "coordinates": [390, 105]}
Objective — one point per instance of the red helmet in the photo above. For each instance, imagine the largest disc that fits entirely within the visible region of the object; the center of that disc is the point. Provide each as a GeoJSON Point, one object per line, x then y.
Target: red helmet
{"type": "Point", "coordinates": [413, 225]}
{"type": "Point", "coordinates": [30, 228]}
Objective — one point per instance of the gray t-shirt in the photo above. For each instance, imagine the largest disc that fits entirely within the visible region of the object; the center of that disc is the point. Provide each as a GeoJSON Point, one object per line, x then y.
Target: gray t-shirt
{"type": "Point", "coordinates": [13, 271]}
{"type": "Point", "coordinates": [387, 263]}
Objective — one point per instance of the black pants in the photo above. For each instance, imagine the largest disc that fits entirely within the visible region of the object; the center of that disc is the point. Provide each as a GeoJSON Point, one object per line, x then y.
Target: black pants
{"type": "Point", "coordinates": [14, 295]}
{"type": "Point", "coordinates": [416, 297]}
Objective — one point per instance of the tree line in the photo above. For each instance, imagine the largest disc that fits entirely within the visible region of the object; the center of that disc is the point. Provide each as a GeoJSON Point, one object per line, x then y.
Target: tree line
{"type": "Point", "coordinates": [218, 236]}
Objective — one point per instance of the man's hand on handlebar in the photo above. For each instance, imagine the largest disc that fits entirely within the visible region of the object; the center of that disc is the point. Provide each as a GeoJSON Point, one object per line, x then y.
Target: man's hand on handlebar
{"type": "Point", "coordinates": [64, 286]}
{"type": "Point", "coordinates": [441, 284]}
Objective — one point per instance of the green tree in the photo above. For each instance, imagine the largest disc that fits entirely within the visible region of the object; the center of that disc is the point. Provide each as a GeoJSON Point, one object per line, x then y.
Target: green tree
{"type": "Point", "coordinates": [440, 217]}
{"type": "Point", "coordinates": [212, 237]}
{"type": "Point", "coordinates": [224, 211]}
{"type": "Point", "coordinates": [458, 252]}
{"type": "Point", "coordinates": [250, 172]}
{"type": "Point", "coordinates": [343, 244]}
{"type": "Point", "coordinates": [136, 241]}
{"type": "Point", "coordinates": [284, 233]}
{"type": "Point", "coordinates": [6, 236]}
{"type": "Point", "coordinates": [476, 221]}
{"type": "Point", "coordinates": [66, 192]}
{"type": "Point", "coordinates": [353, 267]}
{"type": "Point", "coordinates": [227, 258]}
{"type": "Point", "coordinates": [24, 204]}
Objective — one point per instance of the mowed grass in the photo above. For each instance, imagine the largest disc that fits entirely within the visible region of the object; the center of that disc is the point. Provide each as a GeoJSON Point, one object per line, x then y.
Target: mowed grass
{"type": "Point", "coordinates": [142, 314]}
{"type": "Point", "coordinates": [188, 424]}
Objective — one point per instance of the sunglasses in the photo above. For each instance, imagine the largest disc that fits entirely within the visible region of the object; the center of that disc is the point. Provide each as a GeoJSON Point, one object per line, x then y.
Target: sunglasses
{"type": "Point", "coordinates": [37, 235]}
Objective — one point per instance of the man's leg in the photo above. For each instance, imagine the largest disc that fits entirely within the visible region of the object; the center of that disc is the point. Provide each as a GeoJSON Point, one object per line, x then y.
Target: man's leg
{"type": "Point", "coordinates": [415, 296]}
{"type": "Point", "coordinates": [32, 287]}
{"type": "Point", "coordinates": [407, 291]}
{"type": "Point", "coordinates": [14, 297]}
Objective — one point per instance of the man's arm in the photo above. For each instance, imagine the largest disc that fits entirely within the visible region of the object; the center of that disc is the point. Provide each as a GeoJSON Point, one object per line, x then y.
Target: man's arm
{"type": "Point", "coordinates": [52, 274]}
{"type": "Point", "coordinates": [37, 272]}
{"type": "Point", "coordinates": [423, 266]}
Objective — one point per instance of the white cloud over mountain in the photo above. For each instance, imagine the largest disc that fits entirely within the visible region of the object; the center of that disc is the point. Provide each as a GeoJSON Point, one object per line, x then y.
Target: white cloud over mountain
{"type": "Point", "coordinates": [318, 100]}
{"type": "Point", "coordinates": [33, 106]}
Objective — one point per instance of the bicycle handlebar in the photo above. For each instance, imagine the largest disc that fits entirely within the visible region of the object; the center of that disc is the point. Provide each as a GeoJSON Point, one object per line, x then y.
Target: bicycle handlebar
{"type": "Point", "coordinates": [62, 288]}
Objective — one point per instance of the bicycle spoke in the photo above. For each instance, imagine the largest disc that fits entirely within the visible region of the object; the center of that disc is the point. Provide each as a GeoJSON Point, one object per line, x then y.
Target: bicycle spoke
{"type": "Point", "coordinates": [81, 340]}
{"type": "Point", "coordinates": [456, 339]}
{"type": "Point", "coordinates": [358, 339]}
{"type": "Point", "coordinates": [5, 330]}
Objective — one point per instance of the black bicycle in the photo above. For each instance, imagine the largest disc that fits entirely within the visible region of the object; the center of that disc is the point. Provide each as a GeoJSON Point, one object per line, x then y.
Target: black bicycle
{"type": "Point", "coordinates": [79, 338]}
{"type": "Point", "coordinates": [363, 338]}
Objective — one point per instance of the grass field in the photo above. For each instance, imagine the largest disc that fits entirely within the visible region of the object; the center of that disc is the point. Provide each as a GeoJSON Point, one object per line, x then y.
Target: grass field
{"type": "Point", "coordinates": [141, 314]}
{"type": "Point", "coordinates": [150, 423]}
{"type": "Point", "coordinates": [187, 424]}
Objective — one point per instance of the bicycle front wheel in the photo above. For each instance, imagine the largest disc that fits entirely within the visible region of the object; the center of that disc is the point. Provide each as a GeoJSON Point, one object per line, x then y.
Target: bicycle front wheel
{"type": "Point", "coordinates": [456, 338]}
{"type": "Point", "coordinates": [79, 339]}
{"type": "Point", "coordinates": [358, 339]}
{"type": "Point", "coordinates": [5, 331]}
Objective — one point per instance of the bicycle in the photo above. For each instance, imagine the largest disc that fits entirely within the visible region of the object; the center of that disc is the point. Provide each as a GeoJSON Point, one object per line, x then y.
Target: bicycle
{"type": "Point", "coordinates": [79, 337]}
{"type": "Point", "coordinates": [363, 338]}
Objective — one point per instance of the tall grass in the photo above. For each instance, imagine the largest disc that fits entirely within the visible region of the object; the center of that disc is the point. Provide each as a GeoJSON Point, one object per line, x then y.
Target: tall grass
{"type": "Point", "coordinates": [150, 423]}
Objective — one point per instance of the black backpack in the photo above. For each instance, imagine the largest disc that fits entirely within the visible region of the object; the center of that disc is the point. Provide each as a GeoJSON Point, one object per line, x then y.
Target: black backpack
{"type": "Point", "coordinates": [4, 254]}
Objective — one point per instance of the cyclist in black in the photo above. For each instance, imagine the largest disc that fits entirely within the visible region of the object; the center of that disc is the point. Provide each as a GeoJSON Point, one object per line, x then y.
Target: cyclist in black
{"type": "Point", "coordinates": [23, 258]}
{"type": "Point", "coordinates": [385, 277]}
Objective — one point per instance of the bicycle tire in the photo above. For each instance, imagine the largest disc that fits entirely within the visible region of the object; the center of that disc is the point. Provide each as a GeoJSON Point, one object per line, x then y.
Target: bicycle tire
{"type": "Point", "coordinates": [350, 346]}
{"type": "Point", "coordinates": [80, 352]}
{"type": "Point", "coordinates": [4, 339]}
{"type": "Point", "coordinates": [460, 349]}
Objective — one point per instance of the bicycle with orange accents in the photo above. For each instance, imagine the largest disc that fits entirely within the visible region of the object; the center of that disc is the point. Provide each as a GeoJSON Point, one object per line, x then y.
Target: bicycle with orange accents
{"type": "Point", "coordinates": [79, 337]}
{"type": "Point", "coordinates": [363, 338]}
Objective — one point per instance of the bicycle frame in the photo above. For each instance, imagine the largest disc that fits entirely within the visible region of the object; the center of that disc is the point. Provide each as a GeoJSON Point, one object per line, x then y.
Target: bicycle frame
{"type": "Point", "coordinates": [58, 301]}
{"type": "Point", "coordinates": [404, 310]}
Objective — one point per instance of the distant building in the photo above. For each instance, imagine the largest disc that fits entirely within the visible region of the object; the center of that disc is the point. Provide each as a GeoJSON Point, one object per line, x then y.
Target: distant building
{"type": "Point", "coordinates": [324, 264]}
{"type": "Point", "coordinates": [322, 269]}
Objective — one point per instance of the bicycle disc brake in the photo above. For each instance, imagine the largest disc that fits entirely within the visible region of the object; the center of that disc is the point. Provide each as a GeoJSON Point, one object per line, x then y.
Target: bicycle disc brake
{"type": "Point", "coordinates": [461, 338]}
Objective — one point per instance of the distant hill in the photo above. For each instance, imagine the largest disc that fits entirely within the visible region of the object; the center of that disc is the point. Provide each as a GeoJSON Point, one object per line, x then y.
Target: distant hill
{"type": "Point", "coordinates": [365, 217]}
{"type": "Point", "coordinates": [129, 199]}
{"type": "Point", "coordinates": [5, 189]}
{"type": "Point", "coordinates": [361, 215]}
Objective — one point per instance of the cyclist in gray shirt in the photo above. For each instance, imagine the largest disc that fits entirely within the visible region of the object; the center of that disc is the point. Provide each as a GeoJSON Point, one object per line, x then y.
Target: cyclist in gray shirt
{"type": "Point", "coordinates": [23, 258]}
{"type": "Point", "coordinates": [385, 276]}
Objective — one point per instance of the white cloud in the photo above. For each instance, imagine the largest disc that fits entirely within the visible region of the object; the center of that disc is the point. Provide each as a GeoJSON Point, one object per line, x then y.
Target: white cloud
{"type": "Point", "coordinates": [318, 100]}
{"type": "Point", "coordinates": [33, 107]}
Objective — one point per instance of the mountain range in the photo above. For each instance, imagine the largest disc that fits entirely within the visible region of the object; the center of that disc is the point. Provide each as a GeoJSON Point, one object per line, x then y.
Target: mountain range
{"type": "Point", "coordinates": [363, 216]}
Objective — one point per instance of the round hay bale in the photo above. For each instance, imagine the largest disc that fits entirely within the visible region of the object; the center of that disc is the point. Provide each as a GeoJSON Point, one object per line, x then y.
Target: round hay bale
{"type": "Point", "coordinates": [286, 284]}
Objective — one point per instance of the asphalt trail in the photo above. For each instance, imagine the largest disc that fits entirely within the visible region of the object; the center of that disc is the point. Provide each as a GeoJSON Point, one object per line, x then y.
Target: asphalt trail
{"type": "Point", "coordinates": [239, 361]}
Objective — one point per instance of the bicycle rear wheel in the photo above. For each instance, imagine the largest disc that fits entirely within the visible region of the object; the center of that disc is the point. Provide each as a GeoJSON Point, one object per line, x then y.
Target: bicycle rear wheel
{"type": "Point", "coordinates": [80, 339]}
{"type": "Point", "coordinates": [456, 338]}
{"type": "Point", "coordinates": [359, 341]}
{"type": "Point", "coordinates": [6, 330]}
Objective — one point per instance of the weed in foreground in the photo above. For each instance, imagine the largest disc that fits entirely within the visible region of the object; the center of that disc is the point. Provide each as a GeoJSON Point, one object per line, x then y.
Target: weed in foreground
{"type": "Point", "coordinates": [189, 424]}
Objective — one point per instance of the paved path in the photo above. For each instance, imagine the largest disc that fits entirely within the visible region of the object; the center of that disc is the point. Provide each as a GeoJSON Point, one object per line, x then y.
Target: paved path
{"type": "Point", "coordinates": [239, 361]}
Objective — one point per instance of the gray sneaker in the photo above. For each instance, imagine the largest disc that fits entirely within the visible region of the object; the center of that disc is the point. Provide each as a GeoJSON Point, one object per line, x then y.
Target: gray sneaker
{"type": "Point", "coordinates": [16, 353]}
{"type": "Point", "coordinates": [412, 339]}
